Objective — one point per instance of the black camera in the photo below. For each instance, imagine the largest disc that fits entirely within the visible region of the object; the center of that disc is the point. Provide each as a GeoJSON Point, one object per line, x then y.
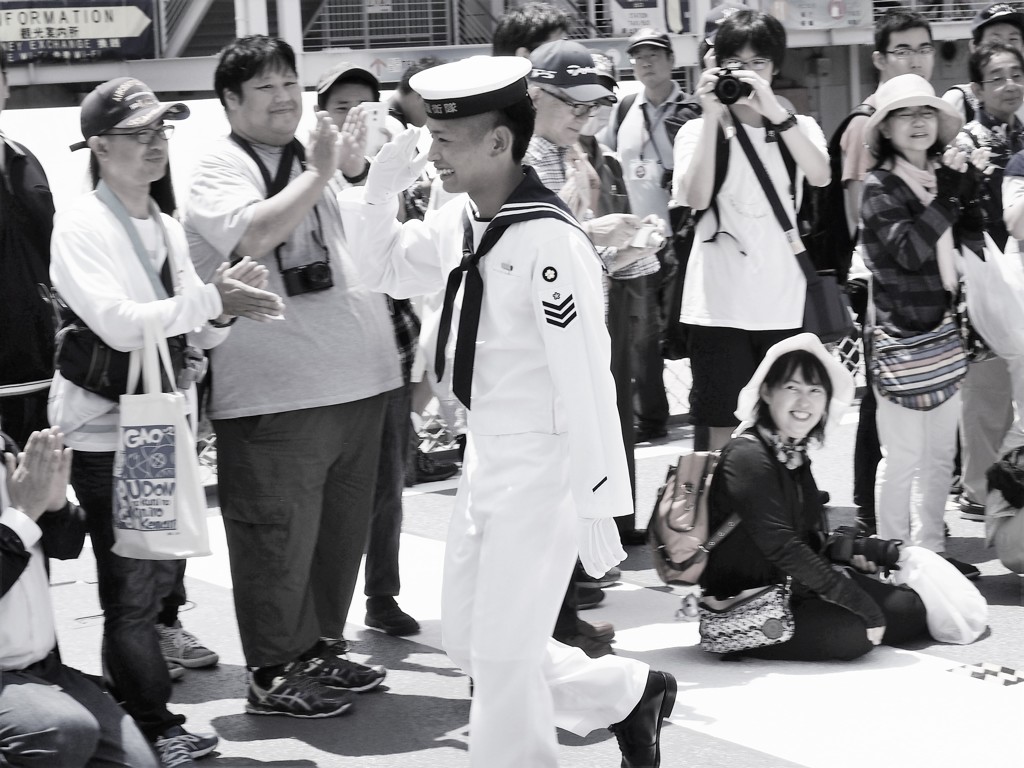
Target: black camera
{"type": "Point", "coordinates": [307, 278]}
{"type": "Point", "coordinates": [729, 89]}
{"type": "Point", "coordinates": [847, 541]}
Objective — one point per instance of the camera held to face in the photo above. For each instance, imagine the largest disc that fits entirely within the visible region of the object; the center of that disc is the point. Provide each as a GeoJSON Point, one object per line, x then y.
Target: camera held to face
{"type": "Point", "coordinates": [729, 89]}
{"type": "Point", "coordinates": [846, 541]}
{"type": "Point", "coordinates": [307, 278]}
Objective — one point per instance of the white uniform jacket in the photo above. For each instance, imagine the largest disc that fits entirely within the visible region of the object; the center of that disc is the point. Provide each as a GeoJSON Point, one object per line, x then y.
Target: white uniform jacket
{"type": "Point", "coordinates": [542, 355]}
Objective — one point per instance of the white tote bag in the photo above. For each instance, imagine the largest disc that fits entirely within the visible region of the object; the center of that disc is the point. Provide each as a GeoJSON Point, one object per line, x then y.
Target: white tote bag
{"type": "Point", "coordinates": [159, 503]}
{"type": "Point", "coordinates": [956, 610]}
{"type": "Point", "coordinates": [995, 295]}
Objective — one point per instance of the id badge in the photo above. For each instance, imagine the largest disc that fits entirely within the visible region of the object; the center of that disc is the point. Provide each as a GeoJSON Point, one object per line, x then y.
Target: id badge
{"type": "Point", "coordinates": [643, 169]}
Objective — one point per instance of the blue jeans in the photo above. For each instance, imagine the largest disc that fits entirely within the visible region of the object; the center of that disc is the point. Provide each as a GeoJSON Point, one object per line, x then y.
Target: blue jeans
{"type": "Point", "coordinates": [130, 594]}
{"type": "Point", "coordinates": [381, 572]}
{"type": "Point", "coordinates": [52, 716]}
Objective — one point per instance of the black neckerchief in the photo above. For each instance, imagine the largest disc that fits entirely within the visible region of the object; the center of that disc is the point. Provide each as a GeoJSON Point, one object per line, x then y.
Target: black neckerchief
{"type": "Point", "coordinates": [529, 200]}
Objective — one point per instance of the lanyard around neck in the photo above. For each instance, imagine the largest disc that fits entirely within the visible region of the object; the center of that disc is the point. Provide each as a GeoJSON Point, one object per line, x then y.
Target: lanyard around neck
{"type": "Point", "coordinates": [162, 289]}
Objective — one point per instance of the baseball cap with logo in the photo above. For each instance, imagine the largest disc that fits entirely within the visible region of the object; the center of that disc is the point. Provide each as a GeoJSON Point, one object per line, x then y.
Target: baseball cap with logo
{"type": "Point", "coordinates": [569, 67]}
{"type": "Point", "coordinates": [649, 36]}
{"type": "Point", "coordinates": [717, 15]}
{"type": "Point", "coordinates": [123, 102]}
{"type": "Point", "coordinates": [997, 13]}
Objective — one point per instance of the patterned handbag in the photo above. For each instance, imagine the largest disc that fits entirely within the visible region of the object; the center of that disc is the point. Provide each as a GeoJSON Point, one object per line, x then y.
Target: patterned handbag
{"type": "Point", "coordinates": [763, 618]}
{"type": "Point", "coordinates": [921, 371]}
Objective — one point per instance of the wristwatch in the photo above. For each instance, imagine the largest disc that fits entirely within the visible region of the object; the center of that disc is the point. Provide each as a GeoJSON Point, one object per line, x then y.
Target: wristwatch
{"type": "Point", "coordinates": [785, 125]}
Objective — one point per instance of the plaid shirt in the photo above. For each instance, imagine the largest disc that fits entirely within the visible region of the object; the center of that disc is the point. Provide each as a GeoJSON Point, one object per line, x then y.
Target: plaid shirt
{"type": "Point", "coordinates": [407, 333]}
{"type": "Point", "coordinates": [1003, 141]}
{"type": "Point", "coordinates": [898, 236]}
{"type": "Point", "coordinates": [548, 160]}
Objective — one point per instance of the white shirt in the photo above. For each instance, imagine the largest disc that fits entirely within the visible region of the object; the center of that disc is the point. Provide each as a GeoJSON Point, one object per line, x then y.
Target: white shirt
{"type": "Point", "coordinates": [27, 632]}
{"type": "Point", "coordinates": [747, 275]}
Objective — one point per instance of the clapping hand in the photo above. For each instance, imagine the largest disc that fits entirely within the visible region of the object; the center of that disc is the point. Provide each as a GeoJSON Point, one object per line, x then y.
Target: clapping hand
{"type": "Point", "coordinates": [242, 293]}
{"type": "Point", "coordinates": [37, 479]}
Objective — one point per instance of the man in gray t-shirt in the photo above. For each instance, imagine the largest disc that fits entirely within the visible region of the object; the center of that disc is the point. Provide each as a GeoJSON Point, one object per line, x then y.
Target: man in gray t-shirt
{"type": "Point", "coordinates": [291, 401]}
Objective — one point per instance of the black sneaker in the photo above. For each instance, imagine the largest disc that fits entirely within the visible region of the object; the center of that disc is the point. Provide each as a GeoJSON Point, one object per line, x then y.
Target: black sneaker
{"type": "Point", "coordinates": [969, 570]}
{"type": "Point", "coordinates": [971, 510]}
{"type": "Point", "coordinates": [331, 667]}
{"type": "Point", "coordinates": [196, 744]}
{"type": "Point", "coordinates": [296, 693]}
{"type": "Point", "coordinates": [384, 614]}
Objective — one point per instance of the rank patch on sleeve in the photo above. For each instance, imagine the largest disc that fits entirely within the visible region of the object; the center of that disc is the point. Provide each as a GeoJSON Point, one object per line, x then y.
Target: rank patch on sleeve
{"type": "Point", "coordinates": [560, 313]}
{"type": "Point", "coordinates": [550, 274]}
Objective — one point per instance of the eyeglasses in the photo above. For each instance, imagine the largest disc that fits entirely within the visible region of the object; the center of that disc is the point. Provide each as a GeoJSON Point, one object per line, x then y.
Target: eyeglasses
{"type": "Point", "coordinates": [146, 135]}
{"type": "Point", "coordinates": [756, 65]}
{"type": "Point", "coordinates": [1017, 78]}
{"type": "Point", "coordinates": [905, 52]}
{"type": "Point", "coordinates": [579, 109]}
{"type": "Point", "coordinates": [925, 113]}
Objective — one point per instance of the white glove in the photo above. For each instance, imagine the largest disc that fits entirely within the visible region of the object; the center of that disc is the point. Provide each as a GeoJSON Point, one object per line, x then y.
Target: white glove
{"type": "Point", "coordinates": [599, 544]}
{"type": "Point", "coordinates": [395, 168]}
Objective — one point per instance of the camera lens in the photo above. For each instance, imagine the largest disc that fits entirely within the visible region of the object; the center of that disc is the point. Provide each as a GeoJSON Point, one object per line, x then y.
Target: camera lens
{"type": "Point", "coordinates": [318, 272]}
{"type": "Point", "coordinates": [729, 90]}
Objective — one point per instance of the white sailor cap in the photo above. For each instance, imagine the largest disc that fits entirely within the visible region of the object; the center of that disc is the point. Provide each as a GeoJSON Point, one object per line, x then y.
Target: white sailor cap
{"type": "Point", "coordinates": [471, 86]}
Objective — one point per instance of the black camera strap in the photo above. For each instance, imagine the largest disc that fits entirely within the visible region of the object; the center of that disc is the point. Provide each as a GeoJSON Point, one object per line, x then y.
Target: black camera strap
{"type": "Point", "coordinates": [291, 150]}
{"type": "Point", "coordinates": [773, 199]}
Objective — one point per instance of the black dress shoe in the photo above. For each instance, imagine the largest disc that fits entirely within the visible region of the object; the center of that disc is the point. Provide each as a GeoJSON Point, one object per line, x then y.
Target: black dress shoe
{"type": "Point", "coordinates": [633, 538]}
{"type": "Point", "coordinates": [639, 735]}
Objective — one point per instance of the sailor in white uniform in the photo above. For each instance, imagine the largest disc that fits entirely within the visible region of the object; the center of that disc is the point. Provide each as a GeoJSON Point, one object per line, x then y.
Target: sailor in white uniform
{"type": "Point", "coordinates": [545, 470]}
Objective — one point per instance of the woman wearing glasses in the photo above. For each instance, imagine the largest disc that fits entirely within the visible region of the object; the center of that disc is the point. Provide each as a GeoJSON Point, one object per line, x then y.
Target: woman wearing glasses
{"type": "Point", "coordinates": [920, 203]}
{"type": "Point", "coordinates": [744, 288]}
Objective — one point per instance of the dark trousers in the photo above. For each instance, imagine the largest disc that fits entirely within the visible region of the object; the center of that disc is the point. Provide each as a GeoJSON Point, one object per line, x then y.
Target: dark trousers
{"type": "Point", "coordinates": [825, 631]}
{"type": "Point", "coordinates": [296, 492]}
{"type": "Point", "coordinates": [866, 453]}
{"type": "Point", "coordinates": [22, 415]}
{"type": "Point", "coordinates": [381, 572]}
{"type": "Point", "coordinates": [650, 398]}
{"type": "Point", "coordinates": [52, 716]}
{"type": "Point", "coordinates": [130, 594]}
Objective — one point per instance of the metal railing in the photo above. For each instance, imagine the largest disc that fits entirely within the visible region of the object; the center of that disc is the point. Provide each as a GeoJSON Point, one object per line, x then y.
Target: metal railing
{"type": "Point", "coordinates": [382, 24]}
{"type": "Point", "coordinates": [943, 11]}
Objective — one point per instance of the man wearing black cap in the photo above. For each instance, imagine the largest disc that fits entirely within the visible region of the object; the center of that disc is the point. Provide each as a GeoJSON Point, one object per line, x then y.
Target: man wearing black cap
{"type": "Point", "coordinates": [544, 471]}
{"type": "Point", "coordinates": [117, 259]}
{"type": "Point", "coordinates": [643, 134]}
{"type": "Point", "coordinates": [996, 23]}
{"type": "Point", "coordinates": [293, 400]}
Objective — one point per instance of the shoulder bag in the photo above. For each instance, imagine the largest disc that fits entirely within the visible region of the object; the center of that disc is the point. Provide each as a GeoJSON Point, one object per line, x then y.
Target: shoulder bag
{"type": "Point", "coordinates": [921, 371]}
{"type": "Point", "coordinates": [159, 503]}
{"type": "Point", "coordinates": [827, 312]}
{"type": "Point", "coordinates": [753, 619]}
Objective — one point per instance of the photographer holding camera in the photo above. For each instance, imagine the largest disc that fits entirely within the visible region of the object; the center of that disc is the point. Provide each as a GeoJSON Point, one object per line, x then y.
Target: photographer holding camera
{"type": "Point", "coordinates": [764, 477]}
{"type": "Point", "coordinates": [744, 289]}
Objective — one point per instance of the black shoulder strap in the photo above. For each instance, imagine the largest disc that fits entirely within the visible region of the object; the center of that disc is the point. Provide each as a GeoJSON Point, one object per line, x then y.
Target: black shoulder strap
{"type": "Point", "coordinates": [284, 167]}
{"type": "Point", "coordinates": [622, 109]}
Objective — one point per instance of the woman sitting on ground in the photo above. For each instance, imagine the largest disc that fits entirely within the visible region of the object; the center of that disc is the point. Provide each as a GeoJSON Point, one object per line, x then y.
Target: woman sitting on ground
{"type": "Point", "coordinates": [764, 476]}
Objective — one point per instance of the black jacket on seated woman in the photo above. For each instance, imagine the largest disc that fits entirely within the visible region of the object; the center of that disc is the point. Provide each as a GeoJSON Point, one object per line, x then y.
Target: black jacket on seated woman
{"type": "Point", "coordinates": [764, 475]}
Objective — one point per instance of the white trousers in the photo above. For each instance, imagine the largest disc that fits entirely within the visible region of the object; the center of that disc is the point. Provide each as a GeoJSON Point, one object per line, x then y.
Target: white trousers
{"type": "Point", "coordinates": [509, 556]}
{"type": "Point", "coordinates": [1014, 436]}
{"type": "Point", "coordinates": [916, 470]}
